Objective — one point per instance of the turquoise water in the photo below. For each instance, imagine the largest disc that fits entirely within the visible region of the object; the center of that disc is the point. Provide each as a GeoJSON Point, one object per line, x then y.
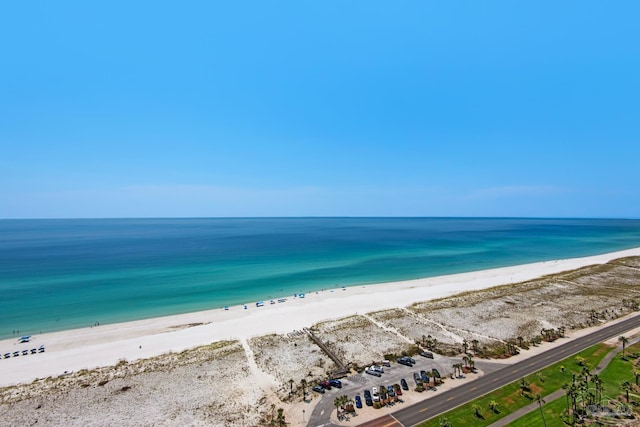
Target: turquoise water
{"type": "Point", "coordinates": [63, 274]}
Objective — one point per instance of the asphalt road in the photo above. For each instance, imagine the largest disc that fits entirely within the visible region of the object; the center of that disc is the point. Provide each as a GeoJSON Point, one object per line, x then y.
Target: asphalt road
{"type": "Point", "coordinates": [450, 399]}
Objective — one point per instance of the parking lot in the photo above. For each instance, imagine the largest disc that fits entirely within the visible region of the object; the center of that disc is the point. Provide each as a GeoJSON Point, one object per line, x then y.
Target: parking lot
{"type": "Point", "coordinates": [356, 384]}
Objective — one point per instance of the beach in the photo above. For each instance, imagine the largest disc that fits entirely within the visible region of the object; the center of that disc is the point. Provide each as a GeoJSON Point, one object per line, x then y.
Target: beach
{"type": "Point", "coordinates": [105, 345]}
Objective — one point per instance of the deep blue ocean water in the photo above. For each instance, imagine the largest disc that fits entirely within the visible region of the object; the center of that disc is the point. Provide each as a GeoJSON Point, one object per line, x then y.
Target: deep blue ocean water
{"type": "Point", "coordinates": [63, 274]}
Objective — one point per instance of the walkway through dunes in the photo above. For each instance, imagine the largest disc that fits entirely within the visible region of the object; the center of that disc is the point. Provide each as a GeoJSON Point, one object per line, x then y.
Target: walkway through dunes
{"type": "Point", "coordinates": [343, 370]}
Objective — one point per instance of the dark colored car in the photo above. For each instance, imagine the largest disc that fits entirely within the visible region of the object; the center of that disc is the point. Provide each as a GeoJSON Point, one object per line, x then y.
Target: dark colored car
{"type": "Point", "coordinates": [436, 373]}
{"type": "Point", "coordinates": [417, 379]}
{"type": "Point", "coordinates": [336, 383]}
{"type": "Point", "coordinates": [411, 360]}
{"type": "Point", "coordinates": [423, 375]}
{"type": "Point", "coordinates": [390, 391]}
{"type": "Point", "coordinates": [318, 389]}
{"type": "Point", "coordinates": [367, 398]}
{"type": "Point", "coordinates": [426, 354]}
{"type": "Point", "coordinates": [404, 384]}
{"type": "Point", "coordinates": [325, 384]}
{"type": "Point", "coordinates": [404, 361]}
{"type": "Point", "coordinates": [358, 401]}
{"type": "Point", "coordinates": [398, 389]}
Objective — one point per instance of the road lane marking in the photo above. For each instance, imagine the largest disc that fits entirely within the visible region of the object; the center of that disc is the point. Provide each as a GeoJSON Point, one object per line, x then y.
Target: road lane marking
{"type": "Point", "coordinates": [532, 363]}
{"type": "Point", "coordinates": [474, 388]}
{"type": "Point", "coordinates": [514, 371]}
{"type": "Point", "coordinates": [451, 398]}
{"type": "Point", "coordinates": [423, 410]}
{"type": "Point", "coordinates": [495, 379]}
{"type": "Point", "coordinates": [392, 423]}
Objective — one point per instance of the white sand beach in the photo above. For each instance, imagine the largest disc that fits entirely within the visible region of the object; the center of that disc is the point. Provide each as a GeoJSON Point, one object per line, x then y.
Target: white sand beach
{"type": "Point", "coordinates": [105, 345]}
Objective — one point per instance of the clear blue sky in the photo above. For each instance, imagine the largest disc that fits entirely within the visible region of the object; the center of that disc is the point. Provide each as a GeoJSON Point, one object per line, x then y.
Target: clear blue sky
{"type": "Point", "coordinates": [299, 108]}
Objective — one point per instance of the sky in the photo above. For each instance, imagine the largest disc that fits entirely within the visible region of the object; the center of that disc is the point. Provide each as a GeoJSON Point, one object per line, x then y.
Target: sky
{"type": "Point", "coordinates": [292, 108]}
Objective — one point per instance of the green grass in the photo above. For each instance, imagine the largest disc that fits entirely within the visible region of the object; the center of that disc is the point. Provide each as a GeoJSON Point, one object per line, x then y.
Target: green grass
{"type": "Point", "coordinates": [509, 397]}
{"type": "Point", "coordinates": [617, 371]}
{"type": "Point", "coordinates": [552, 415]}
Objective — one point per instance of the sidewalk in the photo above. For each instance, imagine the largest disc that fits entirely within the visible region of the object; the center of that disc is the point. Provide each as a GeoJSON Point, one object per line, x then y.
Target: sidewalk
{"type": "Point", "coordinates": [558, 393]}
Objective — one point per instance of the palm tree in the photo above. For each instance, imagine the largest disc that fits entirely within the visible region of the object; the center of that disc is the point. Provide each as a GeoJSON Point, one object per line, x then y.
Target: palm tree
{"type": "Point", "coordinates": [585, 373]}
{"type": "Point", "coordinates": [337, 402]}
{"type": "Point", "coordinates": [291, 387]}
{"type": "Point", "coordinates": [597, 382]}
{"type": "Point", "coordinates": [626, 387]}
{"type": "Point", "coordinates": [384, 395]}
{"type": "Point", "coordinates": [541, 402]}
{"type": "Point", "coordinates": [566, 387]}
{"type": "Point", "coordinates": [476, 410]}
{"type": "Point", "coordinates": [624, 340]}
{"type": "Point", "coordinates": [493, 406]}
{"type": "Point", "coordinates": [303, 383]}
{"type": "Point", "coordinates": [474, 345]}
{"type": "Point", "coordinates": [524, 386]}
{"type": "Point", "coordinates": [636, 373]}
{"type": "Point", "coordinates": [465, 345]}
{"type": "Point", "coordinates": [281, 421]}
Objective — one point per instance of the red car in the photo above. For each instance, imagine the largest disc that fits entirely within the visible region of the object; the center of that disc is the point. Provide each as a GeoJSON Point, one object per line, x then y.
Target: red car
{"type": "Point", "coordinates": [325, 384]}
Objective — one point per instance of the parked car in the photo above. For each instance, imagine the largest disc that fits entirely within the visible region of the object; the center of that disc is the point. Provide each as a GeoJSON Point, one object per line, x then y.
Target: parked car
{"type": "Point", "coordinates": [336, 383]}
{"type": "Point", "coordinates": [398, 389]}
{"type": "Point", "coordinates": [390, 391]}
{"type": "Point", "coordinates": [436, 373]}
{"type": "Point", "coordinates": [358, 401]}
{"type": "Point", "coordinates": [371, 371]}
{"type": "Point", "coordinates": [411, 360]}
{"type": "Point", "coordinates": [318, 388]}
{"type": "Point", "coordinates": [426, 354]}
{"type": "Point", "coordinates": [404, 361]}
{"type": "Point", "coordinates": [378, 368]}
{"type": "Point", "coordinates": [417, 379]}
{"type": "Point", "coordinates": [385, 362]}
{"type": "Point", "coordinates": [325, 384]}
{"type": "Point", "coordinates": [424, 376]}
{"type": "Point", "coordinates": [367, 398]}
{"type": "Point", "coordinates": [404, 384]}
{"type": "Point", "coordinates": [374, 394]}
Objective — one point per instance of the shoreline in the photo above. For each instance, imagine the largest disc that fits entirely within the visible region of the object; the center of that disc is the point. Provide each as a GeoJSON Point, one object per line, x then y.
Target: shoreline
{"type": "Point", "coordinates": [104, 345]}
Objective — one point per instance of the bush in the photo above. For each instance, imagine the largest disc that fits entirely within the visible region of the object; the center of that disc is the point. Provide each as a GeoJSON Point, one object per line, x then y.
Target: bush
{"type": "Point", "coordinates": [376, 405]}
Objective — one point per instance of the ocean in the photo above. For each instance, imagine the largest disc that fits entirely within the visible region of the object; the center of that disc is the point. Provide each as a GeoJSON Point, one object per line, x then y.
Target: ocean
{"type": "Point", "coordinates": [63, 274]}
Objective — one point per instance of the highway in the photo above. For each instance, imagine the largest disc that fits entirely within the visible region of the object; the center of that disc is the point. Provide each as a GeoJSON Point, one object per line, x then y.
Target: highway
{"type": "Point", "coordinates": [450, 399]}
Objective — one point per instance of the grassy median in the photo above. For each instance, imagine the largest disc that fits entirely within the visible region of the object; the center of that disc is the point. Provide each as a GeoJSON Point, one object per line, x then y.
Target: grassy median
{"type": "Point", "coordinates": [499, 403]}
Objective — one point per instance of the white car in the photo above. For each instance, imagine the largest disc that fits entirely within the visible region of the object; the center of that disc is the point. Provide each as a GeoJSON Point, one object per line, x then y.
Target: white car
{"type": "Point", "coordinates": [378, 368]}
{"type": "Point", "coordinates": [374, 394]}
{"type": "Point", "coordinates": [371, 371]}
